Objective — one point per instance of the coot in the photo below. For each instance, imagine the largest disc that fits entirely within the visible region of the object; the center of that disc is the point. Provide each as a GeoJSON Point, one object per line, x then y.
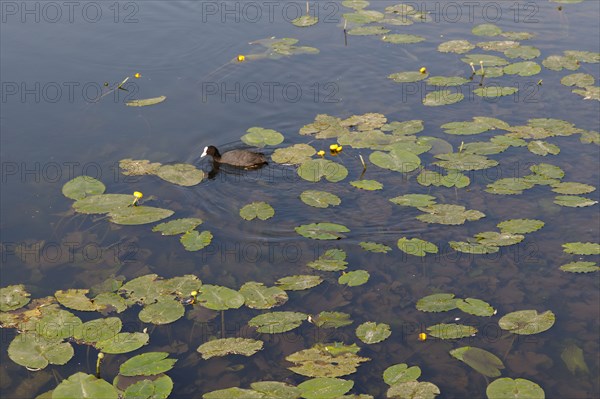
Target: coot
{"type": "Point", "coordinates": [240, 158]}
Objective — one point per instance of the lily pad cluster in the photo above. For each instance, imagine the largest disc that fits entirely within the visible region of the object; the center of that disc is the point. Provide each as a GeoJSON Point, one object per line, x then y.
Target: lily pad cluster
{"type": "Point", "coordinates": [181, 174]}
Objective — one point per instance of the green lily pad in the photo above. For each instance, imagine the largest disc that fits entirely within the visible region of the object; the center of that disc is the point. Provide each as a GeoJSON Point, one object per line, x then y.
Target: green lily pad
{"type": "Point", "coordinates": [581, 248]}
{"type": "Point", "coordinates": [84, 386]}
{"type": "Point", "coordinates": [277, 322]}
{"type": "Point", "coordinates": [402, 9]}
{"type": "Point", "coordinates": [399, 373]}
{"type": "Point", "coordinates": [363, 16]}
{"type": "Point", "coordinates": [55, 323]}
{"type": "Point", "coordinates": [320, 199]}
{"type": "Point", "coordinates": [123, 343]}
{"type": "Point", "coordinates": [442, 97]}
{"type": "Point", "coordinates": [402, 38]}
{"type": "Point", "coordinates": [413, 390]}
{"type": "Point", "coordinates": [442, 302]}
{"type": "Point", "coordinates": [305, 20]}
{"type": "Point", "coordinates": [276, 389]}
{"type": "Point", "coordinates": [195, 241]}
{"type": "Point", "coordinates": [260, 137]}
{"type": "Point", "coordinates": [163, 311]}
{"type": "Point", "coordinates": [408, 77]}
{"type": "Point", "coordinates": [495, 239]}
{"type": "Point", "coordinates": [464, 161]}
{"type": "Point", "coordinates": [572, 188]}
{"type": "Point", "coordinates": [316, 169]}
{"type": "Point", "coordinates": [260, 210]}
{"type": "Point", "coordinates": [452, 179]}
{"type": "Point", "coordinates": [354, 278]}
{"type": "Point", "coordinates": [498, 45]}
{"type": "Point", "coordinates": [509, 185]}
{"type": "Point", "coordinates": [372, 333]}
{"type": "Point", "coordinates": [472, 247]}
{"type": "Point", "coordinates": [331, 320]}
{"type": "Point", "coordinates": [495, 91]}
{"type": "Point", "coordinates": [234, 393]}
{"type": "Point", "coordinates": [447, 81]}
{"type": "Point", "coordinates": [324, 127]}
{"type": "Point", "coordinates": [525, 68]}
{"type": "Point", "coordinates": [559, 62]}
{"type": "Point", "coordinates": [82, 186]}
{"type": "Point", "coordinates": [397, 160]}
{"type": "Point", "coordinates": [146, 101]}
{"type": "Point", "coordinates": [182, 174]}
{"type": "Point", "coordinates": [76, 299]}
{"type": "Point", "coordinates": [547, 170]}
{"type": "Point", "coordinates": [134, 215]}
{"type": "Point", "coordinates": [258, 296]}
{"type": "Point", "coordinates": [523, 52]}
{"type": "Point", "coordinates": [216, 297]}
{"type": "Point", "coordinates": [320, 362]}
{"type": "Point", "coordinates": [416, 246]}
{"type": "Point", "coordinates": [374, 247]}
{"type": "Point", "coordinates": [451, 331]}
{"type": "Point", "coordinates": [480, 360]}
{"type": "Point", "coordinates": [178, 226]}
{"type": "Point", "coordinates": [543, 148]}
{"type": "Point", "coordinates": [415, 200]}
{"type": "Point", "coordinates": [583, 56]}
{"type": "Point", "coordinates": [98, 330]}
{"type": "Point", "coordinates": [527, 322]}
{"type": "Point", "coordinates": [355, 4]}
{"type": "Point", "coordinates": [229, 346]}
{"type": "Point", "coordinates": [520, 226]}
{"type": "Point", "coordinates": [448, 214]}
{"type": "Point", "coordinates": [35, 351]}
{"type": "Point", "coordinates": [572, 355]}
{"type": "Point", "coordinates": [331, 260]}
{"type": "Point", "coordinates": [13, 297]}
{"type": "Point", "coordinates": [325, 388]}
{"type": "Point", "coordinates": [149, 363]}
{"type": "Point", "coordinates": [368, 30]}
{"type": "Point", "coordinates": [138, 167]}
{"type": "Point", "coordinates": [488, 60]}
{"type": "Point", "coordinates": [580, 267]}
{"type": "Point", "coordinates": [322, 231]}
{"type": "Point", "coordinates": [505, 388]}
{"type": "Point", "coordinates": [574, 201]}
{"type": "Point", "coordinates": [369, 185]}
{"type": "Point", "coordinates": [578, 79]}
{"type": "Point", "coordinates": [294, 155]}
{"type": "Point", "coordinates": [159, 388]}
{"type": "Point", "coordinates": [589, 93]}
{"type": "Point", "coordinates": [486, 30]}
{"type": "Point", "coordinates": [475, 307]}
{"type": "Point", "coordinates": [456, 46]}
{"type": "Point", "coordinates": [517, 35]}
{"type": "Point", "coordinates": [144, 289]}
{"type": "Point", "coordinates": [404, 128]}
{"type": "Point", "coordinates": [298, 282]}
{"type": "Point", "coordinates": [102, 203]}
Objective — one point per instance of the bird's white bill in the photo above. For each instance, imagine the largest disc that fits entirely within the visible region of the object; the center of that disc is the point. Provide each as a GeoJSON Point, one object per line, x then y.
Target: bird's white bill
{"type": "Point", "coordinates": [204, 152]}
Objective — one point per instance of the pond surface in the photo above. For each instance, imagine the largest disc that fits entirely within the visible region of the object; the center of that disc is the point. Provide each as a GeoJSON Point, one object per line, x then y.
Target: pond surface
{"type": "Point", "coordinates": [64, 115]}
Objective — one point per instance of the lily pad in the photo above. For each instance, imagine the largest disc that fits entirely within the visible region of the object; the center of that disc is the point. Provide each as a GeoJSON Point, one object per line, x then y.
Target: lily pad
{"type": "Point", "coordinates": [138, 167]}
{"type": "Point", "coordinates": [234, 393]}
{"type": "Point", "coordinates": [331, 320]}
{"type": "Point", "coordinates": [495, 239]}
{"type": "Point", "coordinates": [442, 302]}
{"type": "Point", "coordinates": [451, 331]}
{"type": "Point", "coordinates": [480, 360]}
{"type": "Point", "coordinates": [509, 185]}
{"type": "Point", "coordinates": [580, 267]}
{"type": "Point", "coordinates": [416, 200]}
{"type": "Point", "coordinates": [452, 179]}
{"type": "Point", "coordinates": [475, 307]}
{"type": "Point", "coordinates": [547, 170]}
{"type": "Point", "coordinates": [498, 45]}
{"type": "Point", "coordinates": [258, 296]}
{"type": "Point", "coordinates": [399, 373]}
{"type": "Point", "coordinates": [260, 137]}
{"type": "Point", "coordinates": [102, 203]}
{"type": "Point", "coordinates": [456, 46]}
{"type": "Point", "coordinates": [260, 210]}
{"type": "Point", "coordinates": [13, 297]}
{"type": "Point", "coordinates": [123, 342]}
{"type": "Point", "coordinates": [149, 363]}
{"type": "Point", "coordinates": [195, 241]}
{"type": "Point", "coordinates": [486, 30]}
{"type": "Point", "coordinates": [572, 188]}
{"type": "Point", "coordinates": [182, 174]}
{"type": "Point", "coordinates": [82, 186]}
{"type": "Point", "coordinates": [589, 93]}
{"type": "Point", "coordinates": [276, 389]}
{"type": "Point", "coordinates": [408, 77]}
{"type": "Point", "coordinates": [369, 185]}
{"type": "Point", "coordinates": [447, 81]}
{"type": "Point", "coordinates": [578, 79]}
{"type": "Point", "coordinates": [448, 214]}
{"type": "Point", "coordinates": [322, 231]}
{"type": "Point", "coordinates": [145, 102]}
{"type": "Point", "coordinates": [495, 91]}
{"type": "Point", "coordinates": [559, 62]}
{"type": "Point", "coordinates": [325, 388]}
{"type": "Point", "coordinates": [582, 248]}
{"type": "Point", "coordinates": [464, 161]}
{"type": "Point", "coordinates": [216, 297]}
{"type": "Point", "coordinates": [134, 215]}
{"type": "Point", "coordinates": [520, 226]}
{"type": "Point", "coordinates": [583, 56]}
{"type": "Point", "coordinates": [573, 201]}
{"type": "Point", "coordinates": [163, 311]}
{"type": "Point", "coordinates": [354, 278]}
{"type": "Point", "coordinates": [523, 52]}
{"type": "Point", "coordinates": [402, 38]}
{"type": "Point", "coordinates": [316, 169]}
{"type": "Point", "coordinates": [442, 97]}
{"type": "Point", "coordinates": [229, 346]}
{"type": "Point", "coordinates": [472, 247]}
{"type": "Point", "coordinates": [413, 390]}
{"type": "Point", "coordinates": [355, 4]}
{"type": "Point", "coordinates": [374, 247]}
{"type": "Point", "coordinates": [155, 388]}
{"type": "Point", "coordinates": [178, 226]}
{"type": "Point", "coordinates": [397, 160]}
{"type": "Point", "coordinates": [319, 362]}
{"type": "Point", "coordinates": [372, 333]}
{"type": "Point", "coordinates": [331, 260]}
{"type": "Point", "coordinates": [298, 282]}
{"type": "Point", "coordinates": [98, 330]}
{"type": "Point", "coordinates": [76, 299]}
{"type": "Point", "coordinates": [368, 30]}
{"type": "Point", "coordinates": [363, 16]}
{"type": "Point", "coordinates": [35, 351]}
{"type": "Point", "coordinates": [505, 388]}
{"type": "Point", "coordinates": [85, 386]}
{"type": "Point", "coordinates": [527, 322]}
{"type": "Point", "coordinates": [525, 68]}
{"type": "Point", "coordinates": [305, 20]}
{"type": "Point", "coordinates": [277, 322]}
{"type": "Point", "coordinates": [416, 246]}
{"type": "Point", "coordinates": [487, 59]}
{"type": "Point", "coordinates": [320, 199]}
{"type": "Point", "coordinates": [294, 155]}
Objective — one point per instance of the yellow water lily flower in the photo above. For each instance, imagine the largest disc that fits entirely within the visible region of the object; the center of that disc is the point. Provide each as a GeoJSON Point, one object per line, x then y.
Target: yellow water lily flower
{"type": "Point", "coordinates": [423, 70]}
{"type": "Point", "coordinates": [333, 147]}
{"type": "Point", "coordinates": [241, 58]}
{"type": "Point", "coordinates": [137, 75]}
{"type": "Point", "coordinates": [321, 153]}
{"type": "Point", "coordinates": [422, 337]}
{"type": "Point", "coordinates": [137, 195]}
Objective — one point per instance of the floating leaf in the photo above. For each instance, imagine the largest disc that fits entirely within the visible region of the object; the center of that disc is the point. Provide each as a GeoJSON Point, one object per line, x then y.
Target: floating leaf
{"type": "Point", "coordinates": [520, 226]}
{"type": "Point", "coordinates": [464, 161]}
{"type": "Point", "coordinates": [158, 388]}
{"type": "Point", "coordinates": [123, 343]}
{"type": "Point", "coordinates": [149, 363]}
{"type": "Point", "coordinates": [259, 209]}
{"type": "Point", "coordinates": [372, 333]}
{"type": "Point", "coordinates": [408, 77]}
{"type": "Point", "coordinates": [543, 148]}
{"type": "Point", "coordinates": [573, 201]}
{"type": "Point", "coordinates": [332, 320]}
{"type": "Point", "coordinates": [84, 386]}
{"type": "Point", "coordinates": [331, 260]}
{"type": "Point", "coordinates": [572, 188]}
{"type": "Point", "coordinates": [36, 351]}
{"type": "Point", "coordinates": [98, 330]}
{"type": "Point", "coordinates": [277, 322]}
{"type": "Point", "coordinates": [305, 20]}
{"type": "Point", "coordinates": [547, 170]}
{"type": "Point", "coordinates": [558, 63]}
{"type": "Point", "coordinates": [276, 389]}
{"type": "Point", "coordinates": [397, 160]}
{"type": "Point", "coordinates": [163, 311]}
{"type": "Point", "coordinates": [416, 246]}
{"type": "Point", "coordinates": [447, 81]}
{"type": "Point", "coordinates": [316, 169]}
{"type": "Point", "coordinates": [102, 203]}
{"type": "Point", "coordinates": [498, 45]}
{"type": "Point", "coordinates": [177, 226]}
{"type": "Point", "coordinates": [527, 322]}
{"type": "Point", "coordinates": [578, 79]}
{"type": "Point", "coordinates": [472, 248]}
{"type": "Point", "coordinates": [143, 289]}
{"type": "Point", "coordinates": [320, 199]}
{"type": "Point", "coordinates": [475, 307]}
{"type": "Point", "coordinates": [233, 393]}
{"type": "Point", "coordinates": [182, 174]}
{"type": "Point", "coordinates": [363, 16]}
{"type": "Point", "coordinates": [76, 299]}
{"type": "Point", "coordinates": [368, 30]}
{"type": "Point", "coordinates": [517, 35]}
{"type": "Point", "coordinates": [416, 200]}
{"type": "Point", "coordinates": [509, 186]}
{"type": "Point", "coordinates": [399, 373]}
{"type": "Point", "coordinates": [442, 97]}
{"type": "Point", "coordinates": [82, 186]}
{"type": "Point", "coordinates": [369, 185]}
{"type": "Point", "coordinates": [322, 231]}
{"type": "Point", "coordinates": [480, 360]}
{"type": "Point", "coordinates": [319, 362]}
{"type": "Point", "coordinates": [324, 127]}
{"type": "Point", "coordinates": [258, 296]}
{"type": "Point", "coordinates": [145, 102]}
{"type": "Point", "coordinates": [488, 60]}
{"type": "Point", "coordinates": [354, 278]}
{"type": "Point", "coordinates": [13, 297]}
{"type": "Point", "coordinates": [572, 355]}
{"type": "Point", "coordinates": [495, 91]}
{"type": "Point", "coordinates": [325, 388]}
{"type": "Point", "coordinates": [486, 30]}
{"type": "Point", "coordinates": [505, 388]}
{"type": "Point", "coordinates": [229, 346]}
{"type": "Point", "coordinates": [525, 68]}
{"type": "Point", "coordinates": [523, 52]}
{"type": "Point", "coordinates": [582, 248]}
{"type": "Point", "coordinates": [260, 137]}
{"type": "Point", "coordinates": [451, 331]}
{"type": "Point", "coordinates": [413, 390]}
{"type": "Point", "coordinates": [495, 239]}
{"type": "Point", "coordinates": [356, 4]}
{"type": "Point", "coordinates": [374, 247]}
{"type": "Point", "coordinates": [138, 167]}
{"type": "Point", "coordinates": [580, 267]}
{"type": "Point", "coordinates": [294, 155]}
{"type": "Point", "coordinates": [216, 297]}
{"type": "Point", "coordinates": [402, 38]}
{"type": "Point", "coordinates": [195, 241]}
{"type": "Point", "coordinates": [589, 93]}
{"type": "Point", "coordinates": [437, 303]}
{"type": "Point", "coordinates": [583, 56]}
{"type": "Point", "coordinates": [456, 46]}
{"type": "Point", "coordinates": [448, 214]}
{"type": "Point", "coordinates": [134, 215]}
{"type": "Point", "coordinates": [298, 282]}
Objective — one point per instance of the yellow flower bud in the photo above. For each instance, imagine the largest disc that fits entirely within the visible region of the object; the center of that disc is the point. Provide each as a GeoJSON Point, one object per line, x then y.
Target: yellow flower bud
{"type": "Point", "coordinates": [321, 153]}
{"type": "Point", "coordinates": [138, 194]}
{"type": "Point", "coordinates": [137, 75]}
{"type": "Point", "coordinates": [422, 337]}
{"type": "Point", "coordinates": [333, 147]}
{"type": "Point", "coordinates": [241, 58]}
{"type": "Point", "coordinates": [194, 293]}
{"type": "Point", "coordinates": [423, 70]}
